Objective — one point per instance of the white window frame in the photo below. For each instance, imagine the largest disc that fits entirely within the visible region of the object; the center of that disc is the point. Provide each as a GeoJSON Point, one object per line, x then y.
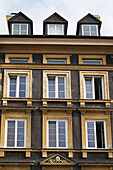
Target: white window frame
{"type": "Point", "coordinates": [55, 29]}
{"type": "Point", "coordinates": [19, 29]}
{"type": "Point", "coordinates": [92, 60]}
{"type": "Point", "coordinates": [105, 135]}
{"type": "Point", "coordinates": [57, 140]}
{"type": "Point", "coordinates": [56, 86]}
{"type": "Point", "coordinates": [6, 125]}
{"type": "Point", "coordinates": [89, 29]}
{"type": "Point", "coordinates": [93, 87]}
{"type": "Point", "coordinates": [17, 85]}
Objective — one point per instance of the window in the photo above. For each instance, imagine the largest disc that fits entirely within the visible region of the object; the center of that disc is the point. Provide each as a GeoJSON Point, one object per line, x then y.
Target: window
{"type": "Point", "coordinates": [94, 88]}
{"type": "Point", "coordinates": [55, 29]}
{"type": "Point", "coordinates": [15, 133]}
{"type": "Point", "coordinates": [56, 61]}
{"type": "Point", "coordinates": [94, 85]}
{"type": "Point", "coordinates": [18, 58]}
{"type": "Point", "coordinates": [17, 83]}
{"type": "Point", "coordinates": [90, 30]}
{"type": "Point", "coordinates": [92, 59]}
{"type": "Point", "coordinates": [56, 87]}
{"type": "Point", "coordinates": [92, 62]}
{"type": "Point", "coordinates": [20, 29]}
{"type": "Point", "coordinates": [56, 84]}
{"type": "Point", "coordinates": [96, 134]}
{"type": "Point", "coordinates": [17, 86]}
{"type": "Point", "coordinates": [57, 133]}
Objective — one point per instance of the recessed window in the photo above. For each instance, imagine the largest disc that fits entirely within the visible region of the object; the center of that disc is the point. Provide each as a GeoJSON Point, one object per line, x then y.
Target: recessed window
{"type": "Point", "coordinates": [90, 30]}
{"type": "Point", "coordinates": [20, 29]}
{"type": "Point", "coordinates": [56, 61]}
{"type": "Point", "coordinates": [17, 86]}
{"type": "Point", "coordinates": [19, 60]}
{"type": "Point", "coordinates": [55, 29]}
{"type": "Point", "coordinates": [15, 133]}
{"type": "Point", "coordinates": [57, 133]}
{"type": "Point", "coordinates": [94, 88]}
{"type": "Point", "coordinates": [96, 134]}
{"type": "Point", "coordinates": [56, 87]}
{"type": "Point", "coordinates": [92, 62]}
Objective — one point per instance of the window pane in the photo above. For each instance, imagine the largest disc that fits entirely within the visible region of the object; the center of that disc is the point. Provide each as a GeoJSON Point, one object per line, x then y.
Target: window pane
{"type": "Point", "coordinates": [22, 87]}
{"type": "Point", "coordinates": [61, 87]}
{"type": "Point", "coordinates": [62, 134]}
{"type": "Point", "coordinates": [52, 133]}
{"type": "Point", "coordinates": [100, 134]}
{"type": "Point", "coordinates": [19, 60]}
{"type": "Point", "coordinates": [54, 61]}
{"type": "Point", "coordinates": [20, 133]}
{"type": "Point", "coordinates": [92, 62]}
{"type": "Point", "coordinates": [59, 29]}
{"type": "Point", "coordinates": [98, 88]}
{"type": "Point", "coordinates": [94, 30]}
{"type": "Point", "coordinates": [51, 29]}
{"type": "Point", "coordinates": [12, 90]}
{"type": "Point", "coordinates": [86, 30]}
{"type": "Point", "coordinates": [51, 87]}
{"type": "Point", "coordinates": [10, 133]}
{"type": "Point", "coordinates": [90, 134]}
{"type": "Point", "coordinates": [88, 87]}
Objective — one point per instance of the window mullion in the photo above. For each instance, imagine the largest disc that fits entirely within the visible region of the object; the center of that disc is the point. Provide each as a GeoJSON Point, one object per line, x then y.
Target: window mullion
{"type": "Point", "coordinates": [93, 87]}
{"type": "Point", "coordinates": [56, 87]}
{"type": "Point", "coordinates": [15, 133]}
{"type": "Point", "coordinates": [57, 138]}
{"type": "Point", "coordinates": [17, 86]}
{"type": "Point", "coordinates": [95, 134]}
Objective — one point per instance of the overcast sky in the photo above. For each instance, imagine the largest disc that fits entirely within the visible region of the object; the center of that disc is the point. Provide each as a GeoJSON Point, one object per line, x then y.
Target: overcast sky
{"type": "Point", "coordinates": [71, 10]}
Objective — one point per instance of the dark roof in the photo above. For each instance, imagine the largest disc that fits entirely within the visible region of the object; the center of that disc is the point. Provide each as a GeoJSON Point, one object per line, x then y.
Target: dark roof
{"type": "Point", "coordinates": [20, 17]}
{"type": "Point", "coordinates": [55, 18]}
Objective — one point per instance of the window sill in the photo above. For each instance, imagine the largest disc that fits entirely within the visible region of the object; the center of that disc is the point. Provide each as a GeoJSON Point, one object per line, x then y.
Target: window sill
{"type": "Point", "coordinates": [28, 100]}
{"type": "Point", "coordinates": [83, 101]}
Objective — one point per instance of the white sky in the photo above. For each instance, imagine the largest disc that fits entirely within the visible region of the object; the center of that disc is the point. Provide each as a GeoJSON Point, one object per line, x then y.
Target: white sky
{"type": "Point", "coordinates": [71, 10]}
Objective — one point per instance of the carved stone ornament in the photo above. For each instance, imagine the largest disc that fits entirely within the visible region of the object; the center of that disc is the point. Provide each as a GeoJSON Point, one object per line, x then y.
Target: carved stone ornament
{"type": "Point", "coordinates": [57, 159]}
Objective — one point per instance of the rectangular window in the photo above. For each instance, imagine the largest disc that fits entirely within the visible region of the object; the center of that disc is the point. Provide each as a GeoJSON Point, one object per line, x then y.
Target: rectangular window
{"type": "Point", "coordinates": [17, 86]}
{"type": "Point", "coordinates": [15, 133]}
{"type": "Point", "coordinates": [56, 61]}
{"type": "Point", "coordinates": [19, 60]}
{"type": "Point", "coordinates": [56, 87]}
{"type": "Point", "coordinates": [55, 29]}
{"type": "Point", "coordinates": [57, 133]}
{"type": "Point", "coordinates": [92, 62]}
{"type": "Point", "coordinates": [90, 30]}
{"type": "Point", "coordinates": [20, 29]}
{"type": "Point", "coordinates": [96, 134]}
{"type": "Point", "coordinates": [94, 88]}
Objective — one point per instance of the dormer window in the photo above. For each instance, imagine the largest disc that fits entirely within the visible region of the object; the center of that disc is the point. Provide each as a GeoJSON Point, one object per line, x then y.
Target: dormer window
{"type": "Point", "coordinates": [90, 30]}
{"type": "Point", "coordinates": [55, 29]}
{"type": "Point", "coordinates": [20, 29]}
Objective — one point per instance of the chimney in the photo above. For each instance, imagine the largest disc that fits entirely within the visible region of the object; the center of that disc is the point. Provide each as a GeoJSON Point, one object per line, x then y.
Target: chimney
{"type": "Point", "coordinates": [97, 16]}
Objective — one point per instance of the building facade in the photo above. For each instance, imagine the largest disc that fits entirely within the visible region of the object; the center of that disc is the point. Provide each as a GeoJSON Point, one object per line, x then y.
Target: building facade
{"type": "Point", "coordinates": [56, 108]}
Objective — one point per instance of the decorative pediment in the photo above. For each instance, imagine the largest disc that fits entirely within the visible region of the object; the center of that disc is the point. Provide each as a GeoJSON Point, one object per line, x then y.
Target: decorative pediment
{"type": "Point", "coordinates": [57, 159]}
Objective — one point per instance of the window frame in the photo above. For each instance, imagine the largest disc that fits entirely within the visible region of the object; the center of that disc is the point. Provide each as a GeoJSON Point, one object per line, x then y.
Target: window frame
{"type": "Point", "coordinates": [55, 29]}
{"type": "Point", "coordinates": [92, 57]}
{"type": "Point", "coordinates": [20, 24]}
{"type": "Point", "coordinates": [90, 33]}
{"type": "Point", "coordinates": [92, 63]}
{"type": "Point", "coordinates": [56, 60]}
{"type": "Point", "coordinates": [17, 85]}
{"type": "Point", "coordinates": [6, 132]}
{"type": "Point", "coordinates": [94, 74]}
{"type": "Point", "coordinates": [56, 57]}
{"type": "Point", "coordinates": [67, 76]}
{"type": "Point", "coordinates": [18, 56]}
{"type": "Point", "coordinates": [105, 136]}
{"type": "Point", "coordinates": [57, 134]}
{"type": "Point", "coordinates": [27, 73]}
{"type": "Point", "coordinates": [93, 87]}
{"type": "Point", "coordinates": [56, 87]}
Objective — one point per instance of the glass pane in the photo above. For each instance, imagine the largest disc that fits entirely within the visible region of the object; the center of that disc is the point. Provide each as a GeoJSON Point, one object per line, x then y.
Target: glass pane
{"type": "Point", "coordinates": [90, 134]}
{"type": "Point", "coordinates": [59, 29]}
{"type": "Point", "coordinates": [51, 87]}
{"type": "Point", "coordinates": [10, 133]}
{"type": "Point", "coordinates": [61, 87]}
{"type": "Point", "coordinates": [88, 87]}
{"type": "Point", "coordinates": [19, 60]}
{"type": "Point", "coordinates": [52, 133]}
{"type": "Point", "coordinates": [93, 30]}
{"type": "Point", "coordinates": [20, 133]}
{"type": "Point", "coordinates": [51, 29]}
{"type": "Point", "coordinates": [86, 30]}
{"type": "Point", "coordinates": [54, 61]}
{"type": "Point", "coordinates": [12, 90]}
{"type": "Point", "coordinates": [92, 62]}
{"type": "Point", "coordinates": [16, 27]}
{"type": "Point", "coordinates": [100, 134]}
{"type": "Point", "coordinates": [22, 86]}
{"type": "Point", "coordinates": [62, 134]}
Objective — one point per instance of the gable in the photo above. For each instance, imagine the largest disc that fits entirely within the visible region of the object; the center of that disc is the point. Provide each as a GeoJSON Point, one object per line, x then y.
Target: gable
{"type": "Point", "coordinates": [20, 17]}
{"type": "Point", "coordinates": [89, 19]}
{"type": "Point", "coordinates": [57, 159]}
{"type": "Point", "coordinates": [55, 18]}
